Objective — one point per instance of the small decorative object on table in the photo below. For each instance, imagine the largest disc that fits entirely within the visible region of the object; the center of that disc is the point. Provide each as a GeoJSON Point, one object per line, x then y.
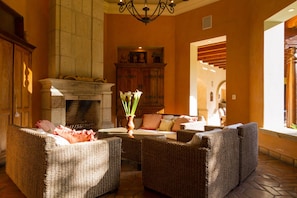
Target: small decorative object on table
{"type": "Point", "coordinates": [130, 101]}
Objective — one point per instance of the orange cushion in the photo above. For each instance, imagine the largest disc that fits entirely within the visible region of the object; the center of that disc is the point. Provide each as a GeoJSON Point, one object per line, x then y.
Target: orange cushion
{"type": "Point", "coordinates": [177, 122]}
{"type": "Point", "coordinates": [151, 121]}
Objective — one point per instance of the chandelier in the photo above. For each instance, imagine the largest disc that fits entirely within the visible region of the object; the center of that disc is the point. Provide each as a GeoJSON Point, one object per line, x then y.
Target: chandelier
{"type": "Point", "coordinates": [147, 16]}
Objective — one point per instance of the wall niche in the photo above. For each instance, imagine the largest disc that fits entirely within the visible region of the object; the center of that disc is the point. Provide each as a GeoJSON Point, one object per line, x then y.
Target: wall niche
{"type": "Point", "coordinates": [140, 55]}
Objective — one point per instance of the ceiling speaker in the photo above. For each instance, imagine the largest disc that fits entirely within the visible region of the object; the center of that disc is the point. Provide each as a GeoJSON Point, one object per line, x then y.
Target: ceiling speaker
{"type": "Point", "coordinates": [207, 22]}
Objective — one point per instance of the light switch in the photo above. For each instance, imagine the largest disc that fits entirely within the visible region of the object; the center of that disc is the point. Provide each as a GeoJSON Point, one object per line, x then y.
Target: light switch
{"type": "Point", "coordinates": [233, 96]}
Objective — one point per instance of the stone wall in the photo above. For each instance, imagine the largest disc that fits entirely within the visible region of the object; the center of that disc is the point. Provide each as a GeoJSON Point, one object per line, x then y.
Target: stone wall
{"type": "Point", "coordinates": [76, 38]}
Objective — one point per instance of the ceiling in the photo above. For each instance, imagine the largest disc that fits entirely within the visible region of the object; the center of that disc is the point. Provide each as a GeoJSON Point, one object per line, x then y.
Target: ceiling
{"type": "Point", "coordinates": [214, 54]}
{"type": "Point", "coordinates": [141, 1]}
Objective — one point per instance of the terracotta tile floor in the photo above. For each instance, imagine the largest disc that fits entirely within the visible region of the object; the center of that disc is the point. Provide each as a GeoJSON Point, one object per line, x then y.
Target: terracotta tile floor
{"type": "Point", "coordinates": [272, 178]}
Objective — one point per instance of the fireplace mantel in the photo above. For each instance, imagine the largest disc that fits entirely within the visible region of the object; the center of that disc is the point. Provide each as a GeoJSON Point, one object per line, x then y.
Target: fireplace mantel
{"type": "Point", "coordinates": [55, 92]}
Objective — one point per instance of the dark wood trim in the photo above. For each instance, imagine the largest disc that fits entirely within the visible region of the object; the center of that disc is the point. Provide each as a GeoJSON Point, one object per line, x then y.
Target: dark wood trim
{"type": "Point", "coordinates": [17, 40]}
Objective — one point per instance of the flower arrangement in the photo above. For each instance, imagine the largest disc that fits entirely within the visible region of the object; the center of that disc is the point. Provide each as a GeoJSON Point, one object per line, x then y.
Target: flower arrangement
{"type": "Point", "coordinates": [130, 101]}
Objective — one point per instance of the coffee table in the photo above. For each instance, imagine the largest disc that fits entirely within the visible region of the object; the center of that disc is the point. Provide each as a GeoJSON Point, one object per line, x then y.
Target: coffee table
{"type": "Point", "coordinates": [131, 147]}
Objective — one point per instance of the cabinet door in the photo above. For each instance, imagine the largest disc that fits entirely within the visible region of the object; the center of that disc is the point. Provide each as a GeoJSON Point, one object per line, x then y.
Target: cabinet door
{"type": "Point", "coordinates": [149, 79]}
{"type": "Point", "coordinates": [152, 83]}
{"type": "Point", "coordinates": [6, 64]}
{"type": "Point", "coordinates": [128, 79]}
{"type": "Point", "coordinates": [22, 87]}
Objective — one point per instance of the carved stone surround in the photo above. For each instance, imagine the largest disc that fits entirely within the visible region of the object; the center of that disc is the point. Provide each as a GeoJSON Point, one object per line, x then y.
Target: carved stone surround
{"type": "Point", "coordinates": [55, 92]}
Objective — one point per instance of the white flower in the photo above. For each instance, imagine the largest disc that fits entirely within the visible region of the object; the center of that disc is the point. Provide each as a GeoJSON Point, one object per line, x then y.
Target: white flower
{"type": "Point", "coordinates": [128, 98]}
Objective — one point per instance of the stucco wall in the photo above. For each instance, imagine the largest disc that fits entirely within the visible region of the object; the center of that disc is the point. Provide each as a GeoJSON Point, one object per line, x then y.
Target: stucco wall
{"type": "Point", "coordinates": [124, 30]}
{"type": "Point", "coordinates": [240, 21]}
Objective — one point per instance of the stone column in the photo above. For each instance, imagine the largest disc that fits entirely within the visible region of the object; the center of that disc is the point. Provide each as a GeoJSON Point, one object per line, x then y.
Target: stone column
{"type": "Point", "coordinates": [76, 38]}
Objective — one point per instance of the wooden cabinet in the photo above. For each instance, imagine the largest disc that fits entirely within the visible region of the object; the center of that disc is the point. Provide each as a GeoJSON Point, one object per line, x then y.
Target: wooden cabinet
{"type": "Point", "coordinates": [16, 85]}
{"type": "Point", "coordinates": [6, 62]}
{"type": "Point", "coordinates": [142, 69]}
{"type": "Point", "coordinates": [148, 78]}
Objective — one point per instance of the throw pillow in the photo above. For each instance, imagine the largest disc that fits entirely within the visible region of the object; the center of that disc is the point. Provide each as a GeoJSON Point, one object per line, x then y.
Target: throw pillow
{"type": "Point", "coordinates": [151, 121]}
{"type": "Point", "coordinates": [60, 141]}
{"type": "Point", "coordinates": [168, 117]}
{"type": "Point", "coordinates": [165, 125]}
{"type": "Point", "coordinates": [177, 122]}
{"type": "Point", "coordinates": [45, 125]}
{"type": "Point", "coordinates": [76, 136]}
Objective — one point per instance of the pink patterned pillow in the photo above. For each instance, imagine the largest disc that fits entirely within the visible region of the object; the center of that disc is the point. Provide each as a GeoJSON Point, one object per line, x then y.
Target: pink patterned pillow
{"type": "Point", "coordinates": [151, 121]}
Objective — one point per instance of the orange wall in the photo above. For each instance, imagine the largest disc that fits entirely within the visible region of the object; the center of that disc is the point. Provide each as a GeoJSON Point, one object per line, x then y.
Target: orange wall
{"type": "Point", "coordinates": [36, 22]}
{"type": "Point", "coordinates": [224, 23]}
{"type": "Point", "coordinates": [241, 21]}
{"type": "Point", "coordinates": [124, 30]}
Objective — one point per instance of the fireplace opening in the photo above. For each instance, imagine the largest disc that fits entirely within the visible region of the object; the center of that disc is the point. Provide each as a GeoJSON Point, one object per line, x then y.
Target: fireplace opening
{"type": "Point", "coordinates": [83, 114]}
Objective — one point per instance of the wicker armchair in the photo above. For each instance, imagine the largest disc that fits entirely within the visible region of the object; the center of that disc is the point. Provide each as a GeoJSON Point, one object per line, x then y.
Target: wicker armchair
{"type": "Point", "coordinates": [40, 168]}
{"type": "Point", "coordinates": [178, 169]}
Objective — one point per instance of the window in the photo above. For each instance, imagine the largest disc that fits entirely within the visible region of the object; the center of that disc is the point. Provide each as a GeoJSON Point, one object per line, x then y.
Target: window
{"type": "Point", "coordinates": [279, 75]}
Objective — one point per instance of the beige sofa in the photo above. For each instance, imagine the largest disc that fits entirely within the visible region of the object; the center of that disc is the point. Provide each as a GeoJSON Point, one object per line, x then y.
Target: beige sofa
{"type": "Point", "coordinates": [210, 165]}
{"type": "Point", "coordinates": [167, 124]}
{"type": "Point", "coordinates": [41, 168]}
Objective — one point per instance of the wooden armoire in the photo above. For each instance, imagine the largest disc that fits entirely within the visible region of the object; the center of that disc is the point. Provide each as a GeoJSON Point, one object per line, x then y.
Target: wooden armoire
{"type": "Point", "coordinates": [16, 75]}
{"type": "Point", "coordinates": [142, 69]}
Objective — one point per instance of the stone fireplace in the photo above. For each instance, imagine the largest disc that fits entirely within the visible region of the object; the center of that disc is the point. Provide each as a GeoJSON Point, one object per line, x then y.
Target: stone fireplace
{"type": "Point", "coordinates": [76, 49]}
{"type": "Point", "coordinates": [78, 104]}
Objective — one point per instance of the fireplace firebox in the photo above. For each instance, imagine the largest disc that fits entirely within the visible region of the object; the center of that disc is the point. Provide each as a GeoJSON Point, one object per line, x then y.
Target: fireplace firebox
{"type": "Point", "coordinates": [78, 104]}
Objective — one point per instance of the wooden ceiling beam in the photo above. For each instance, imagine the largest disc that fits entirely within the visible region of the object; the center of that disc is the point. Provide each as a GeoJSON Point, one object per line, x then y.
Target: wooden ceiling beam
{"type": "Point", "coordinates": [213, 54]}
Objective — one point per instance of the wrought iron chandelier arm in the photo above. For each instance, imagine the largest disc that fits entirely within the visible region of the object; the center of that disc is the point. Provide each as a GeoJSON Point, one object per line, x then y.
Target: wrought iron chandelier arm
{"type": "Point", "coordinates": [145, 18]}
{"type": "Point", "coordinates": [170, 6]}
{"type": "Point", "coordinates": [132, 10]}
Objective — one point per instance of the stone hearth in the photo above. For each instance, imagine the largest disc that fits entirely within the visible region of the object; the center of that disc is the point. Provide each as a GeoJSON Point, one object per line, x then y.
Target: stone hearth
{"type": "Point", "coordinates": [55, 93]}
